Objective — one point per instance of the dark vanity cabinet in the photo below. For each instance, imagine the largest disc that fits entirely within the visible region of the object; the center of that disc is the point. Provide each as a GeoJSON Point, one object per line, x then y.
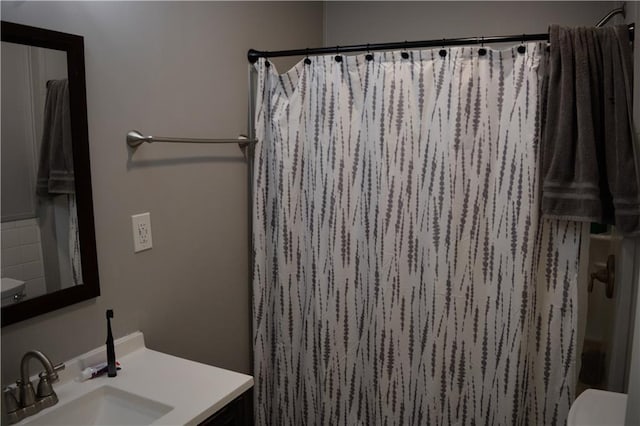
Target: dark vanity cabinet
{"type": "Point", "coordinates": [238, 412]}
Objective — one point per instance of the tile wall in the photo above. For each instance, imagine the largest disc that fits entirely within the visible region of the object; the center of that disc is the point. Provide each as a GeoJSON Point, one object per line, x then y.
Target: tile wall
{"type": "Point", "coordinates": [21, 255]}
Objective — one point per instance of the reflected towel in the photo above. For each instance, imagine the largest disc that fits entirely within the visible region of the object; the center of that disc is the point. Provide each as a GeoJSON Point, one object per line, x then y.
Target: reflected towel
{"type": "Point", "coordinates": [55, 169]}
{"type": "Point", "coordinates": [589, 158]}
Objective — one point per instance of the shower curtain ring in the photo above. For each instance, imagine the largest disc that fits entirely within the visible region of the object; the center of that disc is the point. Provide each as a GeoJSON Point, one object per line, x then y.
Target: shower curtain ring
{"type": "Point", "coordinates": [482, 51]}
{"type": "Point", "coordinates": [369, 56]}
{"type": "Point", "coordinates": [338, 58]}
{"type": "Point", "coordinates": [307, 61]}
{"type": "Point", "coordinates": [522, 48]}
{"type": "Point", "coordinates": [443, 51]}
{"type": "Point", "coordinates": [405, 54]}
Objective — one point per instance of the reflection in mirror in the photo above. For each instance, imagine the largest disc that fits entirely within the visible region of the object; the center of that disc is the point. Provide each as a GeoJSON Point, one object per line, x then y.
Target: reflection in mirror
{"type": "Point", "coordinates": [39, 221]}
{"type": "Point", "coordinates": [48, 241]}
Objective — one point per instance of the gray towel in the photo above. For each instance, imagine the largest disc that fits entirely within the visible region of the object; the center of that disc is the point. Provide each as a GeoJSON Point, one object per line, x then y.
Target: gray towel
{"type": "Point", "coordinates": [55, 169]}
{"type": "Point", "coordinates": [588, 154]}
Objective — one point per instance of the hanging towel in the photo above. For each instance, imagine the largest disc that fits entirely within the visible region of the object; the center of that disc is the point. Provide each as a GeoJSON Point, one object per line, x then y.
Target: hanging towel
{"type": "Point", "coordinates": [589, 163]}
{"type": "Point", "coordinates": [55, 169]}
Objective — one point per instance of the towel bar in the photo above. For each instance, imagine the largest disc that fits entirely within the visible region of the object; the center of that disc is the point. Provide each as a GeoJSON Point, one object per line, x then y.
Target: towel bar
{"type": "Point", "coordinates": [135, 139]}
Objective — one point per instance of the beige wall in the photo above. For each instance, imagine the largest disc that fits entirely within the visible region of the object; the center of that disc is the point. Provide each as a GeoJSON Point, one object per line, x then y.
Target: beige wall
{"type": "Point", "coordinates": [377, 22]}
{"type": "Point", "coordinates": [174, 69]}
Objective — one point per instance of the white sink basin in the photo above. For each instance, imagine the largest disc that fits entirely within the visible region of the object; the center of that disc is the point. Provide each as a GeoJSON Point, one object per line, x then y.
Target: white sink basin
{"type": "Point", "coordinates": [105, 405]}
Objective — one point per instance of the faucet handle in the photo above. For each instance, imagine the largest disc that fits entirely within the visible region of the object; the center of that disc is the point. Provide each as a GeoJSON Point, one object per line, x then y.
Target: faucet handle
{"type": "Point", "coordinates": [10, 400]}
{"type": "Point", "coordinates": [46, 396]}
{"type": "Point", "coordinates": [11, 406]}
{"type": "Point", "coordinates": [44, 385]}
{"type": "Point", "coordinates": [46, 378]}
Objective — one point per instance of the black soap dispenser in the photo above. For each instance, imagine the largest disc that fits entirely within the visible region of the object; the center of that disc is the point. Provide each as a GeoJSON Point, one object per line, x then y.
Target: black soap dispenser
{"type": "Point", "coordinates": [111, 351]}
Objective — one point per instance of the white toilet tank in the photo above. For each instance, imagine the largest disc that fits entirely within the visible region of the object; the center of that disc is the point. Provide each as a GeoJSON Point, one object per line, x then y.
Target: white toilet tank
{"type": "Point", "coordinates": [12, 291]}
{"type": "Point", "coordinates": [596, 407]}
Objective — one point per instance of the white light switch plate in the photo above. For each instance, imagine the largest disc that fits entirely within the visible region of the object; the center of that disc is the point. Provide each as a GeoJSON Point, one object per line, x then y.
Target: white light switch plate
{"type": "Point", "coordinates": [141, 232]}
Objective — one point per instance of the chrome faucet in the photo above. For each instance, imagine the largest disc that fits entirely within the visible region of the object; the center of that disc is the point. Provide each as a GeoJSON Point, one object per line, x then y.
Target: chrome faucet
{"type": "Point", "coordinates": [28, 402]}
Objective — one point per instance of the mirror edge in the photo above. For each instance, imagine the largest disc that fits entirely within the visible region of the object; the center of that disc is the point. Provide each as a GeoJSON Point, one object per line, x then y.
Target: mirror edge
{"type": "Point", "coordinates": [74, 46]}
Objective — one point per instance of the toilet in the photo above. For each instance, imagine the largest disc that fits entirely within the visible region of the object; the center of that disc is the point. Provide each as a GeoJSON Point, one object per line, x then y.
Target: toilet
{"type": "Point", "coordinates": [596, 407]}
{"type": "Point", "coordinates": [13, 291]}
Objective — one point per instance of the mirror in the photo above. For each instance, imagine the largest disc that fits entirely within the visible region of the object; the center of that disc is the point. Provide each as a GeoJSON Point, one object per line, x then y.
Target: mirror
{"type": "Point", "coordinates": [48, 239]}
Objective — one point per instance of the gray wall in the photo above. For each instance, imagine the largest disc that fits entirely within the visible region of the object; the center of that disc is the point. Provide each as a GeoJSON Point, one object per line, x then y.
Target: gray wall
{"type": "Point", "coordinates": [179, 69]}
{"type": "Point", "coordinates": [376, 22]}
{"type": "Point", "coordinates": [174, 69]}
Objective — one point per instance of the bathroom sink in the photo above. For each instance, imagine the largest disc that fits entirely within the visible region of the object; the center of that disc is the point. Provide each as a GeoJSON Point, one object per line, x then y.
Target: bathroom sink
{"type": "Point", "coordinates": [149, 390]}
{"type": "Point", "coordinates": [105, 405]}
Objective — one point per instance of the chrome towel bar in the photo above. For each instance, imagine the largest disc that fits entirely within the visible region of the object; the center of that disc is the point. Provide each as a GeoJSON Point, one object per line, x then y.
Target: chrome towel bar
{"type": "Point", "coordinates": [135, 139]}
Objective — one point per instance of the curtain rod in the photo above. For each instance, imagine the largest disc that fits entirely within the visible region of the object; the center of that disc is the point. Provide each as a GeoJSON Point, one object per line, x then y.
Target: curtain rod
{"type": "Point", "coordinates": [253, 55]}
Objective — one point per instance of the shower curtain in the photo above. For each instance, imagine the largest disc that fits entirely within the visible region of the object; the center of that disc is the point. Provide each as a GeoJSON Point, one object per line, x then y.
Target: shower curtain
{"type": "Point", "coordinates": [403, 274]}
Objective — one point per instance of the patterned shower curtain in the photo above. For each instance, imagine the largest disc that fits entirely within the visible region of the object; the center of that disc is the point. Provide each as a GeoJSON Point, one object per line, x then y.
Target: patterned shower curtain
{"type": "Point", "coordinates": [403, 274]}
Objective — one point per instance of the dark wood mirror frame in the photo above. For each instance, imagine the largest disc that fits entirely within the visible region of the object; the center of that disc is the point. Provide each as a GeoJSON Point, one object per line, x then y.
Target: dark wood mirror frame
{"type": "Point", "coordinates": [73, 45]}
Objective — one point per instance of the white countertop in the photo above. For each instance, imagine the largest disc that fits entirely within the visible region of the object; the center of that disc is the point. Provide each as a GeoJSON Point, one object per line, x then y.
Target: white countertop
{"type": "Point", "coordinates": [194, 390]}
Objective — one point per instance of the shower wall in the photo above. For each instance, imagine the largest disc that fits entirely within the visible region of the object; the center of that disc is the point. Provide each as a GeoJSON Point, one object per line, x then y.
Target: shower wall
{"type": "Point", "coordinates": [601, 353]}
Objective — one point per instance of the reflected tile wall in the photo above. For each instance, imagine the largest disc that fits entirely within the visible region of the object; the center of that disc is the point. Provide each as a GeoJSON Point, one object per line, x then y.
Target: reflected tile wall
{"type": "Point", "coordinates": [21, 254]}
